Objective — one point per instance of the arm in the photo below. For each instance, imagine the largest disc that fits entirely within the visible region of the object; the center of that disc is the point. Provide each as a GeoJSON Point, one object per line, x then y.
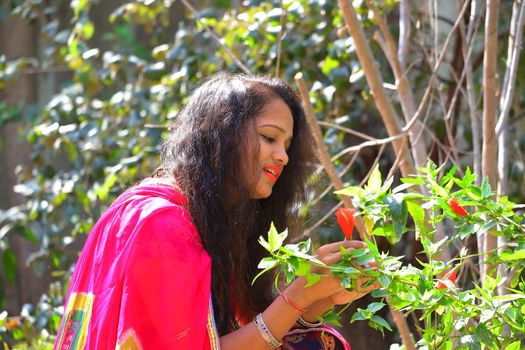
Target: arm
{"type": "Point", "coordinates": [280, 316]}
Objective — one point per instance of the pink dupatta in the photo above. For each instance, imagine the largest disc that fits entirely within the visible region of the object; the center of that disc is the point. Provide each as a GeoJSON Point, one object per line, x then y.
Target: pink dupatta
{"type": "Point", "coordinates": [142, 280]}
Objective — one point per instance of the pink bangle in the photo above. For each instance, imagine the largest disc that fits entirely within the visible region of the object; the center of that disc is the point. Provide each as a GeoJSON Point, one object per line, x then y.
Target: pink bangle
{"type": "Point", "coordinates": [291, 303]}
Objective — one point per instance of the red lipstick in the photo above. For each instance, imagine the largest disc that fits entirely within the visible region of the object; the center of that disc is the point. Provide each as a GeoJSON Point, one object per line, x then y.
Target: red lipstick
{"type": "Point", "coordinates": [272, 172]}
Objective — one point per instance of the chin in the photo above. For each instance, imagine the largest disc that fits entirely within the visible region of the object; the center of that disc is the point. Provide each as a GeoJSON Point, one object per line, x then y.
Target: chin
{"type": "Point", "coordinates": [261, 194]}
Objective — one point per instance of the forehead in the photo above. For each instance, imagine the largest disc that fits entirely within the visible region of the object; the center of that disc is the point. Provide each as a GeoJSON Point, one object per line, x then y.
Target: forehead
{"type": "Point", "coordinates": [276, 114]}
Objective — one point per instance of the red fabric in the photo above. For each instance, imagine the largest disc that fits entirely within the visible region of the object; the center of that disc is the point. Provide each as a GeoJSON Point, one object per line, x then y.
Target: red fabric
{"type": "Point", "coordinates": [147, 274]}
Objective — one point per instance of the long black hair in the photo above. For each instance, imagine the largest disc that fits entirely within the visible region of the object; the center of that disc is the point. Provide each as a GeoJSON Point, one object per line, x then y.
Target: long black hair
{"type": "Point", "coordinates": [205, 152]}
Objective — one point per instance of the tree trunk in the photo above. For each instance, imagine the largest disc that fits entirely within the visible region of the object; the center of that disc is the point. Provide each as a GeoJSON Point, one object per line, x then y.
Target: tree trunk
{"type": "Point", "coordinates": [490, 146]}
{"type": "Point", "coordinates": [17, 39]}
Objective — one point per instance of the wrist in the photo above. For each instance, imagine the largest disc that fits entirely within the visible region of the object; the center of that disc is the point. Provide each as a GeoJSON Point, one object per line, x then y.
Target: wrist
{"type": "Point", "coordinates": [296, 293]}
{"type": "Point", "coordinates": [317, 309]}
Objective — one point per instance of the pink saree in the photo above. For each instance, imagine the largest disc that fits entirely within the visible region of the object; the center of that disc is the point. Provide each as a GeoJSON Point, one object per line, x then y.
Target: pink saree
{"type": "Point", "coordinates": [142, 280]}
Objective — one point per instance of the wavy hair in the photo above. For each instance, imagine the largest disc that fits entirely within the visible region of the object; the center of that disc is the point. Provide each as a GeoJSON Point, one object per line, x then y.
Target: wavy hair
{"type": "Point", "coordinates": [205, 152]}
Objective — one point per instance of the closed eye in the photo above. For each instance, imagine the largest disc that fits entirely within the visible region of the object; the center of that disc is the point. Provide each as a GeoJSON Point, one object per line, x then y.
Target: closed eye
{"type": "Point", "coordinates": [269, 139]}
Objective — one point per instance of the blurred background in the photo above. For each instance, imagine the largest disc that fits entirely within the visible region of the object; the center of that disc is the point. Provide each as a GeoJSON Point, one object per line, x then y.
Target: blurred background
{"type": "Point", "coordinates": [89, 88]}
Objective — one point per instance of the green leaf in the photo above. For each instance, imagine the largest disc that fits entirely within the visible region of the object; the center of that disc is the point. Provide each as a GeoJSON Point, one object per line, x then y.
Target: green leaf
{"type": "Point", "coordinates": [399, 215]}
{"type": "Point", "coordinates": [103, 191]}
{"type": "Point", "coordinates": [267, 263]}
{"type": "Point", "coordinates": [515, 255]}
{"type": "Point", "coordinates": [440, 191]}
{"type": "Point", "coordinates": [328, 65]}
{"type": "Point", "coordinates": [509, 297]}
{"type": "Point", "coordinates": [29, 235]}
{"type": "Point", "coordinates": [332, 317]}
{"type": "Point", "coordinates": [487, 226]}
{"type": "Point", "coordinates": [88, 29]}
{"type": "Point", "coordinates": [9, 260]}
{"type": "Point", "coordinates": [486, 336]}
{"type": "Point", "coordinates": [417, 213]}
{"type": "Point", "coordinates": [372, 247]}
{"type": "Point", "coordinates": [276, 239]}
{"type": "Point", "coordinates": [485, 189]}
{"type": "Point", "coordinates": [413, 180]}
{"type": "Point", "coordinates": [466, 230]}
{"type": "Point", "coordinates": [374, 182]}
{"type": "Point", "coordinates": [384, 280]}
{"type": "Point", "coordinates": [353, 253]}
{"type": "Point", "coordinates": [312, 279]}
{"type": "Point", "coordinates": [381, 322]}
{"type": "Point", "coordinates": [357, 316]}
{"type": "Point", "coordinates": [514, 346]}
{"type": "Point", "coordinates": [351, 191]}
{"type": "Point", "coordinates": [449, 175]}
{"type": "Point", "coordinates": [264, 243]}
{"type": "Point", "coordinates": [375, 307]}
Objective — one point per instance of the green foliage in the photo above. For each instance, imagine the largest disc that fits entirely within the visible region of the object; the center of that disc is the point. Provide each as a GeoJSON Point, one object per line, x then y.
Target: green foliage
{"type": "Point", "coordinates": [100, 132]}
{"type": "Point", "coordinates": [453, 314]}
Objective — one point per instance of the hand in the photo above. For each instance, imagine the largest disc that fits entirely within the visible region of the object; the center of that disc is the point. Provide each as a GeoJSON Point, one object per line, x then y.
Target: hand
{"type": "Point", "coordinates": [330, 254]}
{"type": "Point", "coordinates": [328, 285]}
{"type": "Point", "coordinates": [348, 296]}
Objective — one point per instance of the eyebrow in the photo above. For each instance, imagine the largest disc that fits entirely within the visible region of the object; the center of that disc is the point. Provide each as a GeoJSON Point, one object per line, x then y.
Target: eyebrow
{"type": "Point", "coordinates": [278, 128]}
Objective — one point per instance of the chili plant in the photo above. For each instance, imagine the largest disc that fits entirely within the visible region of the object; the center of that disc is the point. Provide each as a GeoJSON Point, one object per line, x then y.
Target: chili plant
{"type": "Point", "coordinates": [453, 307]}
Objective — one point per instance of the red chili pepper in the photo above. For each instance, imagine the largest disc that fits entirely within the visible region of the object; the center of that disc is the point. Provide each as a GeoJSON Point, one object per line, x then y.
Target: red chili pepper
{"type": "Point", "coordinates": [346, 220]}
{"type": "Point", "coordinates": [456, 207]}
{"type": "Point", "coordinates": [451, 276]}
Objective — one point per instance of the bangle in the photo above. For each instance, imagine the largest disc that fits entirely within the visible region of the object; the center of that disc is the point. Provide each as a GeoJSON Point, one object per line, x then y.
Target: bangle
{"type": "Point", "coordinates": [307, 324]}
{"type": "Point", "coordinates": [291, 303]}
{"type": "Point", "coordinates": [265, 332]}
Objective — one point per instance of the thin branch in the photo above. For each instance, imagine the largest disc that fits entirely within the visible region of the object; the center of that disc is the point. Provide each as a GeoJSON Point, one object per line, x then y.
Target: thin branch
{"type": "Point", "coordinates": [331, 186]}
{"type": "Point", "coordinates": [404, 33]}
{"type": "Point", "coordinates": [347, 130]}
{"type": "Point", "coordinates": [512, 65]}
{"type": "Point", "coordinates": [467, 48]}
{"type": "Point", "coordinates": [406, 97]}
{"type": "Point", "coordinates": [427, 94]}
{"type": "Point", "coordinates": [384, 106]}
{"type": "Point", "coordinates": [514, 48]}
{"type": "Point", "coordinates": [368, 144]}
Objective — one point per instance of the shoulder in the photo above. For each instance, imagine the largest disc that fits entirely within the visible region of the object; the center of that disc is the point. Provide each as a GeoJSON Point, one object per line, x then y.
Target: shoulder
{"type": "Point", "coordinates": [155, 212]}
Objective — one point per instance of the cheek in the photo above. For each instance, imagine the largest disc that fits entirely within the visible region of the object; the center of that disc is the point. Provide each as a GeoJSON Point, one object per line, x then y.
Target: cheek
{"type": "Point", "coordinates": [250, 163]}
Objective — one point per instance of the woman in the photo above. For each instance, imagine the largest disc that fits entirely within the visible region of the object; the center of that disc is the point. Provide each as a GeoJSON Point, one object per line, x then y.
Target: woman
{"type": "Point", "coordinates": [170, 264]}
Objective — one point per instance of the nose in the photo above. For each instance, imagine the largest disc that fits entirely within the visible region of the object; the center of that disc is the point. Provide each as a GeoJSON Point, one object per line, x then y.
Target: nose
{"type": "Point", "coordinates": [281, 156]}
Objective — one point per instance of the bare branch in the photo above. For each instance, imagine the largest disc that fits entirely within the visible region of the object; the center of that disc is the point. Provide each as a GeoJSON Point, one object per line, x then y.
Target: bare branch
{"type": "Point", "coordinates": [348, 130]}
{"type": "Point", "coordinates": [406, 97]}
{"type": "Point", "coordinates": [386, 110]}
{"type": "Point", "coordinates": [404, 33]}
{"type": "Point", "coordinates": [514, 48]}
{"type": "Point", "coordinates": [515, 36]}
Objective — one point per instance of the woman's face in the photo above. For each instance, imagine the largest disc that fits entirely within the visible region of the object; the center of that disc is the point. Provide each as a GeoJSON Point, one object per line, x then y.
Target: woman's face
{"type": "Point", "coordinates": [274, 132]}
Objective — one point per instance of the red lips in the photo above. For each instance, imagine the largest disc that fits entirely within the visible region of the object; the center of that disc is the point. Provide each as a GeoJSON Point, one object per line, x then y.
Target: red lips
{"type": "Point", "coordinates": [272, 172]}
